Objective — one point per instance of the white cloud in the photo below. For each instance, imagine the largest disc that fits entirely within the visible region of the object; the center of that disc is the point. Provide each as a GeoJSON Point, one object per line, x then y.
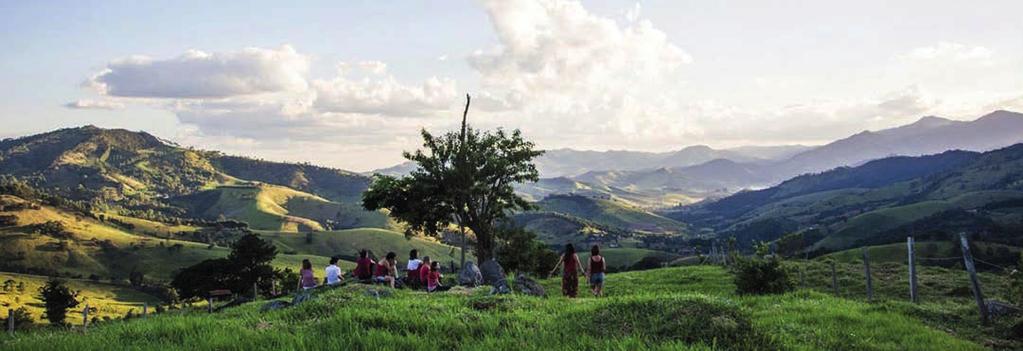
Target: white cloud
{"type": "Point", "coordinates": [383, 94]}
{"type": "Point", "coordinates": [198, 74]}
{"type": "Point", "coordinates": [949, 52]}
{"type": "Point", "coordinates": [88, 104]}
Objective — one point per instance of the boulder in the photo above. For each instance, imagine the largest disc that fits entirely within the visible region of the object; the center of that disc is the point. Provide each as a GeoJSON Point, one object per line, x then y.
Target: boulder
{"type": "Point", "coordinates": [494, 276]}
{"type": "Point", "coordinates": [470, 275]}
{"type": "Point", "coordinates": [527, 286]}
{"type": "Point", "coordinates": [274, 305]}
{"type": "Point", "coordinates": [997, 308]}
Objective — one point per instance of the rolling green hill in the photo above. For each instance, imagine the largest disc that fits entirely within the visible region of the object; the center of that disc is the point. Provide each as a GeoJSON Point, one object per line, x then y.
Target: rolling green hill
{"type": "Point", "coordinates": [881, 202]}
{"type": "Point", "coordinates": [138, 175]}
{"type": "Point", "coordinates": [611, 213]}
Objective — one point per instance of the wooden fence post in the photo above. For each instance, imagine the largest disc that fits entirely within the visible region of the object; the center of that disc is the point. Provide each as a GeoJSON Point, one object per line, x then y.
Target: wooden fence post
{"type": "Point", "coordinates": [974, 282]}
{"type": "Point", "coordinates": [834, 279]}
{"type": "Point", "coordinates": [255, 292]}
{"type": "Point", "coordinates": [866, 272]}
{"type": "Point", "coordinates": [210, 300]}
{"type": "Point", "coordinates": [10, 320]}
{"type": "Point", "coordinates": [85, 317]}
{"type": "Point", "coordinates": [912, 270]}
{"type": "Point", "coordinates": [145, 309]}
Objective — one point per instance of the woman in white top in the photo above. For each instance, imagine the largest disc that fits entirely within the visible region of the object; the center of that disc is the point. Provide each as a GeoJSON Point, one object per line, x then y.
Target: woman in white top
{"type": "Point", "coordinates": [412, 269]}
{"type": "Point", "coordinates": [333, 272]}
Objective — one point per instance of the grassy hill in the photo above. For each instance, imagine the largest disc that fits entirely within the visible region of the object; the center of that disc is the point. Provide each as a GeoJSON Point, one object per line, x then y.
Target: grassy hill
{"type": "Point", "coordinates": [91, 247]}
{"type": "Point", "coordinates": [110, 300]}
{"type": "Point", "coordinates": [139, 175]}
{"type": "Point", "coordinates": [880, 202]}
{"type": "Point", "coordinates": [691, 308]}
{"type": "Point", "coordinates": [611, 213]}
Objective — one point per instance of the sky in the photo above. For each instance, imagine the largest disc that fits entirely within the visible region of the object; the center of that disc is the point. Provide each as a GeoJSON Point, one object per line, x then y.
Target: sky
{"type": "Point", "coordinates": [350, 84]}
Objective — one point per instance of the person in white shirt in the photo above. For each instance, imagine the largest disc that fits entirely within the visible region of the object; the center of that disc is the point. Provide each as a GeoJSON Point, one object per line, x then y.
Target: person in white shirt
{"type": "Point", "coordinates": [412, 269]}
{"type": "Point", "coordinates": [334, 276]}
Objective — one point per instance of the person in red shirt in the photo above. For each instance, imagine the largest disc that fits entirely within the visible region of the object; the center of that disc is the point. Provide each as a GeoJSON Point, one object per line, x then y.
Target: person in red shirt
{"type": "Point", "coordinates": [424, 271]}
{"type": "Point", "coordinates": [386, 270]}
{"type": "Point", "coordinates": [570, 274]}
{"type": "Point", "coordinates": [363, 266]}
{"type": "Point", "coordinates": [433, 279]}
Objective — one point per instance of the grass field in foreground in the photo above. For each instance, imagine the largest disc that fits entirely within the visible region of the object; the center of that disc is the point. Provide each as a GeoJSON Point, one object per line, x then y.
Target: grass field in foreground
{"type": "Point", "coordinates": [687, 308]}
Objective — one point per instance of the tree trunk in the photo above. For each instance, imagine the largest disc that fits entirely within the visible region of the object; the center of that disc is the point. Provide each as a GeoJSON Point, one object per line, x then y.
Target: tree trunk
{"type": "Point", "coordinates": [484, 243]}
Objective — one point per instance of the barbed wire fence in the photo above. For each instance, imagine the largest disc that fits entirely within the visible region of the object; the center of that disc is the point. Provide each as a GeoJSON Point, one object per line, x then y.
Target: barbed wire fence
{"type": "Point", "coordinates": [968, 262]}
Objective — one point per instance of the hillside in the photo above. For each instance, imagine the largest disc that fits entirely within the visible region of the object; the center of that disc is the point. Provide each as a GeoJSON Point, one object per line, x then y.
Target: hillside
{"type": "Point", "coordinates": [723, 175]}
{"type": "Point", "coordinates": [87, 247]}
{"type": "Point", "coordinates": [691, 308]}
{"type": "Point", "coordinates": [139, 175]}
{"type": "Point", "coordinates": [610, 213]}
{"type": "Point", "coordinates": [880, 202]}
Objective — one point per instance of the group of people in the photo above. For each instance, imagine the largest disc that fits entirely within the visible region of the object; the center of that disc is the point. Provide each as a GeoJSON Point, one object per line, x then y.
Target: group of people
{"type": "Point", "coordinates": [425, 273]}
{"type": "Point", "coordinates": [419, 273]}
{"type": "Point", "coordinates": [571, 268]}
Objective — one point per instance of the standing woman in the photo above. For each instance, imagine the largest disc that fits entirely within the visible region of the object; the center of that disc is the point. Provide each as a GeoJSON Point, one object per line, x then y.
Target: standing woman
{"type": "Point", "coordinates": [570, 274]}
{"type": "Point", "coordinates": [596, 271]}
{"type": "Point", "coordinates": [306, 280]}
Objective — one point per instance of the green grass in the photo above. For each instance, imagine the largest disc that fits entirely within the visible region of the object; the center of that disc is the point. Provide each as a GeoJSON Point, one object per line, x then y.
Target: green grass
{"type": "Point", "coordinates": [611, 213]}
{"type": "Point", "coordinates": [689, 308]}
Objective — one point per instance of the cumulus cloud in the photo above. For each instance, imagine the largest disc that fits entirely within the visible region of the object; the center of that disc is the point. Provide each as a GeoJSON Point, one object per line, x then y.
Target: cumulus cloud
{"type": "Point", "coordinates": [949, 52]}
{"type": "Point", "coordinates": [199, 74]}
{"type": "Point", "coordinates": [88, 104]}
{"type": "Point", "coordinates": [382, 94]}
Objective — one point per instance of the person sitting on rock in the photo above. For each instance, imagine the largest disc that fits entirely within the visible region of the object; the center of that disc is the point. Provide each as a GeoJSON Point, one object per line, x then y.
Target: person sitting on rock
{"type": "Point", "coordinates": [423, 273]}
{"type": "Point", "coordinates": [570, 274]}
{"type": "Point", "coordinates": [386, 269]}
{"type": "Point", "coordinates": [307, 280]}
{"type": "Point", "coordinates": [363, 266]}
{"type": "Point", "coordinates": [595, 273]}
{"type": "Point", "coordinates": [412, 269]}
{"type": "Point", "coordinates": [434, 277]}
{"type": "Point", "coordinates": [333, 273]}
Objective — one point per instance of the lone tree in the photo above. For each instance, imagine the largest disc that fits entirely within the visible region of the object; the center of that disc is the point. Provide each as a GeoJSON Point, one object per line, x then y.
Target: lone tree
{"type": "Point", "coordinates": [465, 177]}
{"type": "Point", "coordinates": [57, 298]}
{"type": "Point", "coordinates": [247, 264]}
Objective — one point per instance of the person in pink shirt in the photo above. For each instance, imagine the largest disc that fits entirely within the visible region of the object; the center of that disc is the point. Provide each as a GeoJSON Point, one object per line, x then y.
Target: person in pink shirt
{"type": "Point", "coordinates": [433, 279]}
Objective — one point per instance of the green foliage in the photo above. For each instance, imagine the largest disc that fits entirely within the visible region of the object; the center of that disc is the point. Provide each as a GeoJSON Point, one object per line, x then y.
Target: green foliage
{"type": "Point", "coordinates": [1016, 278]}
{"type": "Point", "coordinates": [58, 298]}
{"type": "Point", "coordinates": [519, 251]}
{"type": "Point", "coordinates": [247, 264]}
{"type": "Point", "coordinates": [197, 280]}
{"type": "Point", "coordinates": [466, 176]}
{"type": "Point", "coordinates": [758, 276]}
{"type": "Point", "coordinates": [649, 262]}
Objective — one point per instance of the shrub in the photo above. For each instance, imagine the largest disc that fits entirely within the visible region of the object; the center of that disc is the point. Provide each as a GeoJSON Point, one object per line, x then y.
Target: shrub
{"type": "Point", "coordinates": [757, 276]}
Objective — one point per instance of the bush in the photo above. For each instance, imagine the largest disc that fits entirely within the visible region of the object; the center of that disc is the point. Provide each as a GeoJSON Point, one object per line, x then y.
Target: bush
{"type": "Point", "coordinates": [758, 276]}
